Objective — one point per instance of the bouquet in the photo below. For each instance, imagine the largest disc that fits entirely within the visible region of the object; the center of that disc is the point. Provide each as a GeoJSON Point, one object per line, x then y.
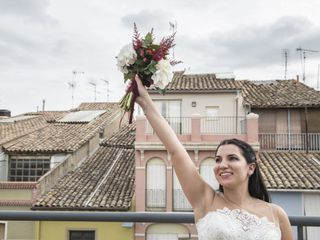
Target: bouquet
{"type": "Point", "coordinates": [147, 59]}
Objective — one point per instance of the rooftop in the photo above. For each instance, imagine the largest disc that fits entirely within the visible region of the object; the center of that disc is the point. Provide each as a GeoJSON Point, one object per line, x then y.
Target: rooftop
{"type": "Point", "coordinates": [291, 170]}
{"type": "Point", "coordinates": [56, 136]}
{"type": "Point", "coordinates": [104, 181]}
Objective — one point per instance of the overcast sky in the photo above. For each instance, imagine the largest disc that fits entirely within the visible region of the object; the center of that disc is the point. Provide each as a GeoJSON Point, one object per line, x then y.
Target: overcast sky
{"type": "Point", "coordinates": [43, 41]}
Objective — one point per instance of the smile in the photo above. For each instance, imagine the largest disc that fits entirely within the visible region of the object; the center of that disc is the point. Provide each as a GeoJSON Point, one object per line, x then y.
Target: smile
{"type": "Point", "coordinates": [225, 174]}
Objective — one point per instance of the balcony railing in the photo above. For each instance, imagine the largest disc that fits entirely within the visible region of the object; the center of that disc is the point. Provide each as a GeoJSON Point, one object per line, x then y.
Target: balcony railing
{"type": "Point", "coordinates": [154, 217]}
{"type": "Point", "coordinates": [209, 125]}
{"type": "Point", "coordinates": [223, 125]}
{"type": "Point", "coordinates": [180, 125]}
{"type": "Point", "coordinates": [290, 141]}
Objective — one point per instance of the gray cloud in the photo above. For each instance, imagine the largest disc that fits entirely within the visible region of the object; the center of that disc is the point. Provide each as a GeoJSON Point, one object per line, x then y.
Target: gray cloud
{"type": "Point", "coordinates": [254, 46]}
{"type": "Point", "coordinates": [27, 9]}
{"type": "Point", "coordinates": [147, 19]}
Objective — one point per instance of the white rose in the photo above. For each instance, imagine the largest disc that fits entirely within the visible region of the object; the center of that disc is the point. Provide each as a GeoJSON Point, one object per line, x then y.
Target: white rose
{"type": "Point", "coordinates": [163, 76]}
{"type": "Point", "coordinates": [126, 57]}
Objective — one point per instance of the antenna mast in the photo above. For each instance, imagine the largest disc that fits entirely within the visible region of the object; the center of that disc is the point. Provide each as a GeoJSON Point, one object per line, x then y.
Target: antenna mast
{"type": "Point", "coordinates": [173, 27]}
{"type": "Point", "coordinates": [318, 83]}
{"type": "Point", "coordinates": [285, 52]}
{"type": "Point", "coordinates": [303, 60]}
{"type": "Point", "coordinates": [72, 84]}
{"type": "Point", "coordinates": [108, 90]}
{"type": "Point", "coordinates": [94, 84]}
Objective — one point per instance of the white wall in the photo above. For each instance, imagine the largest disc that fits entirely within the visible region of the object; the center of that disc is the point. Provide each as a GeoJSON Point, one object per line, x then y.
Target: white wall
{"type": "Point", "coordinates": [225, 101]}
{"type": "Point", "coordinates": [3, 166]}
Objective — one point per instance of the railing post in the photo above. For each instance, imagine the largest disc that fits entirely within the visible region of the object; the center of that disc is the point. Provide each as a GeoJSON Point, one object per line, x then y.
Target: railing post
{"type": "Point", "coordinates": [196, 128]}
{"type": "Point", "coordinates": [300, 232]}
{"type": "Point", "coordinates": [253, 129]}
{"type": "Point", "coordinates": [141, 128]}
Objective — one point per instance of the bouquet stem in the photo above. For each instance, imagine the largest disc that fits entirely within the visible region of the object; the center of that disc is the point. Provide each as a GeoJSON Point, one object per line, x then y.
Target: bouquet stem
{"type": "Point", "coordinates": [128, 100]}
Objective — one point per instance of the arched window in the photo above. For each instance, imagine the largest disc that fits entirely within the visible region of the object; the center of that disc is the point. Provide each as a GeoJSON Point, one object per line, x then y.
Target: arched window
{"type": "Point", "coordinates": [166, 231]}
{"type": "Point", "coordinates": [206, 171]}
{"type": "Point", "coordinates": [156, 184]}
{"type": "Point", "coordinates": [180, 202]}
{"type": "Point", "coordinates": [3, 234]}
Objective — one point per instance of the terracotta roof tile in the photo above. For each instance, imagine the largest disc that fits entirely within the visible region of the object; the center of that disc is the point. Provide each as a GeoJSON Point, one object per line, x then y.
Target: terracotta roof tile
{"type": "Point", "coordinates": [97, 105]}
{"type": "Point", "coordinates": [199, 82]}
{"type": "Point", "coordinates": [279, 94]}
{"type": "Point", "coordinates": [60, 137]}
{"type": "Point", "coordinates": [104, 181]}
{"type": "Point", "coordinates": [16, 129]}
{"type": "Point", "coordinates": [259, 94]}
{"type": "Point", "coordinates": [125, 137]}
{"type": "Point", "coordinates": [290, 170]}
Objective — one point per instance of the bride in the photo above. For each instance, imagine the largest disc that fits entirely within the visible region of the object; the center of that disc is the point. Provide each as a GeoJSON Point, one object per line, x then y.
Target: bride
{"type": "Point", "coordinates": [240, 209]}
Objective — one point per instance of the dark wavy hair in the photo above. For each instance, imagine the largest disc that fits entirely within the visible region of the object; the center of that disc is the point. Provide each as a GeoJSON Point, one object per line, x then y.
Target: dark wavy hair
{"type": "Point", "coordinates": [256, 186]}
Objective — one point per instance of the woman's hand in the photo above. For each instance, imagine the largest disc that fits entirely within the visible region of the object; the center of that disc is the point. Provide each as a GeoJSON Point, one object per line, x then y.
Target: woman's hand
{"type": "Point", "coordinates": [143, 97]}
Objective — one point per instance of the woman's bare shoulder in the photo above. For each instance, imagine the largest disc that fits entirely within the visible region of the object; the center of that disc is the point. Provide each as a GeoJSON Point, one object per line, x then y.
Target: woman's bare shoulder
{"type": "Point", "coordinates": [284, 222]}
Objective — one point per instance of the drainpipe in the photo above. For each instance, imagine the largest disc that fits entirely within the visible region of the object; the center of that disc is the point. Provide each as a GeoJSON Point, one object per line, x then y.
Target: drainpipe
{"type": "Point", "coordinates": [307, 137]}
{"type": "Point", "coordinates": [237, 102]}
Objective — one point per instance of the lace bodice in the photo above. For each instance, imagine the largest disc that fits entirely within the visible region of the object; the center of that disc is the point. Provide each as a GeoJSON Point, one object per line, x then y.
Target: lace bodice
{"type": "Point", "coordinates": [225, 224]}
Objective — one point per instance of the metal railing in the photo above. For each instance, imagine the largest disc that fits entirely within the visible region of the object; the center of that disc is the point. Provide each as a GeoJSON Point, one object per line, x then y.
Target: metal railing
{"type": "Point", "coordinates": [209, 125]}
{"type": "Point", "coordinates": [154, 217]}
{"type": "Point", "coordinates": [180, 125]}
{"type": "Point", "coordinates": [290, 141]}
{"type": "Point", "coordinates": [223, 125]}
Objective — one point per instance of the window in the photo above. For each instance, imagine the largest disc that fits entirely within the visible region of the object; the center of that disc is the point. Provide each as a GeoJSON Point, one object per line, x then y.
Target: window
{"type": "Point", "coordinates": [156, 184]}
{"type": "Point", "coordinates": [212, 112]}
{"type": "Point", "coordinates": [2, 230]}
{"type": "Point", "coordinates": [211, 123]}
{"type": "Point", "coordinates": [206, 172]}
{"type": "Point", "coordinates": [28, 169]}
{"type": "Point", "coordinates": [180, 201]}
{"type": "Point", "coordinates": [81, 235]}
{"type": "Point", "coordinates": [171, 111]}
{"type": "Point", "coordinates": [167, 231]}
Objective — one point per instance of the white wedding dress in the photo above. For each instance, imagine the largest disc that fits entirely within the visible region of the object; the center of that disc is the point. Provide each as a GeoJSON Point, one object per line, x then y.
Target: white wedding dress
{"type": "Point", "coordinates": [226, 224]}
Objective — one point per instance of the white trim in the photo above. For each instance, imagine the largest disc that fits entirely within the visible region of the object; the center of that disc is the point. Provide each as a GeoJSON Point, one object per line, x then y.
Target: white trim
{"type": "Point", "coordinates": [191, 146]}
{"type": "Point", "coordinates": [293, 190]}
{"type": "Point", "coordinates": [139, 235]}
{"type": "Point", "coordinates": [194, 235]}
{"type": "Point", "coordinates": [140, 168]}
{"type": "Point", "coordinates": [316, 160]}
{"type": "Point", "coordinates": [5, 229]}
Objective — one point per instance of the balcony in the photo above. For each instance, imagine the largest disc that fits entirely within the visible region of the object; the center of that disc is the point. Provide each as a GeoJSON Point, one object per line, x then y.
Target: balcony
{"type": "Point", "coordinates": [204, 129]}
{"type": "Point", "coordinates": [290, 141]}
{"type": "Point", "coordinates": [165, 217]}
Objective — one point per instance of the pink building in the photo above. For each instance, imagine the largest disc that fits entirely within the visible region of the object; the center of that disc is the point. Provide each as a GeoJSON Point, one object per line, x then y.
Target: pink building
{"type": "Point", "coordinates": [202, 110]}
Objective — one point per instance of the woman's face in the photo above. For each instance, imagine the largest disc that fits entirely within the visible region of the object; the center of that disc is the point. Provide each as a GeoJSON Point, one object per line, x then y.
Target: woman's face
{"type": "Point", "coordinates": [231, 168]}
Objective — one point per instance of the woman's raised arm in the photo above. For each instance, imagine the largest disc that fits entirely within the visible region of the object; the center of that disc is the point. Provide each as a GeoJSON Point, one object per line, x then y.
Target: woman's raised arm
{"type": "Point", "coordinates": [197, 191]}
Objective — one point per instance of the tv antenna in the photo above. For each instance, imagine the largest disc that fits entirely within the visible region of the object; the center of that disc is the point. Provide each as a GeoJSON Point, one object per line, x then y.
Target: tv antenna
{"type": "Point", "coordinates": [173, 28]}
{"type": "Point", "coordinates": [72, 84]}
{"type": "Point", "coordinates": [108, 89]}
{"type": "Point", "coordinates": [94, 84]}
{"type": "Point", "coordinates": [285, 54]}
{"type": "Point", "coordinates": [303, 60]}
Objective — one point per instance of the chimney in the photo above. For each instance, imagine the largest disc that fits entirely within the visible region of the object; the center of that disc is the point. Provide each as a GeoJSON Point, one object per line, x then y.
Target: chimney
{"type": "Point", "coordinates": [5, 113]}
{"type": "Point", "coordinates": [43, 104]}
{"type": "Point", "coordinates": [297, 78]}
